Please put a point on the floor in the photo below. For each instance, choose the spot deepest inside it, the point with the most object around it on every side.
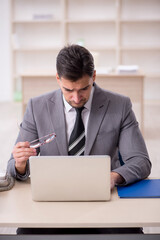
(11, 116)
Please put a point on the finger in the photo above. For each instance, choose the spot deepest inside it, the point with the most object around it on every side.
(23, 149)
(19, 150)
(23, 144)
(27, 154)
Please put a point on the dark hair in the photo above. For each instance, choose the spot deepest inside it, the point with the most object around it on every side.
(73, 62)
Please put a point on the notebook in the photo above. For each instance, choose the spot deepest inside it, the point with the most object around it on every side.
(149, 188)
(70, 178)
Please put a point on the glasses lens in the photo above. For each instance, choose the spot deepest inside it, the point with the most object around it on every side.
(43, 140)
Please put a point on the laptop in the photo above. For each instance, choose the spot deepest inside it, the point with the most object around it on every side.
(70, 178)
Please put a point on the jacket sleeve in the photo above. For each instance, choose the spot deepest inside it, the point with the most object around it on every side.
(28, 132)
(132, 148)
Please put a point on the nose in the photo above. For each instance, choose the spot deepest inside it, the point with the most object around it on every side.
(76, 97)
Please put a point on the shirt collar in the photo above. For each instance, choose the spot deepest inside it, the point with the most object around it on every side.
(68, 107)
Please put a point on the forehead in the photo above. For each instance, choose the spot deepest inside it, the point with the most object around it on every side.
(79, 84)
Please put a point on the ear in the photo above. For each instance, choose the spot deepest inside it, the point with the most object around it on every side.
(57, 77)
(94, 76)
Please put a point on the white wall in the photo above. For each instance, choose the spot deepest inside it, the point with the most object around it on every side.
(5, 55)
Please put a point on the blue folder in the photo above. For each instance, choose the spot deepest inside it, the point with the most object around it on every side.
(149, 188)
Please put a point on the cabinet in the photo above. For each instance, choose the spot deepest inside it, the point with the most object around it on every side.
(117, 32)
(129, 85)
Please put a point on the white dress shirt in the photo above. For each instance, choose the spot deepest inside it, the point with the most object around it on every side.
(70, 114)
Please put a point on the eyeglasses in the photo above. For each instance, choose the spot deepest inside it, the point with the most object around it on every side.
(46, 139)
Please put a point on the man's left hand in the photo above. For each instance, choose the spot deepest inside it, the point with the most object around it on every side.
(116, 178)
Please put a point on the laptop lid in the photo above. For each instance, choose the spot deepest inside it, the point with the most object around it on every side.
(70, 178)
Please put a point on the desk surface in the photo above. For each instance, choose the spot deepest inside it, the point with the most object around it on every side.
(17, 209)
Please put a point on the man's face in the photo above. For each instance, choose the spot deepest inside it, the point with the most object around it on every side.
(76, 93)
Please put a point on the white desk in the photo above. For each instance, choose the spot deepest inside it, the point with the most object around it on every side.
(18, 210)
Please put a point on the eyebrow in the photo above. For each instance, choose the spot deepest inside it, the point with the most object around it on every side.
(67, 89)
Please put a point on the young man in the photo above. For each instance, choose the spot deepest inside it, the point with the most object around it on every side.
(109, 123)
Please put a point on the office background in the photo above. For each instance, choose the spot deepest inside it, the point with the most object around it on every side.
(118, 32)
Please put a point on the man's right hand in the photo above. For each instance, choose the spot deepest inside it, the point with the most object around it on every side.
(21, 153)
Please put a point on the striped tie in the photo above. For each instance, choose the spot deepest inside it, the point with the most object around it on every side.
(77, 138)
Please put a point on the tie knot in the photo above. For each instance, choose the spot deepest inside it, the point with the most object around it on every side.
(79, 110)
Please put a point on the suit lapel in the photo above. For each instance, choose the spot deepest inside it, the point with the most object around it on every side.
(56, 112)
(98, 111)
(56, 115)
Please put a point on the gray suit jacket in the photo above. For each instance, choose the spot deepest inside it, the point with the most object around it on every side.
(112, 125)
